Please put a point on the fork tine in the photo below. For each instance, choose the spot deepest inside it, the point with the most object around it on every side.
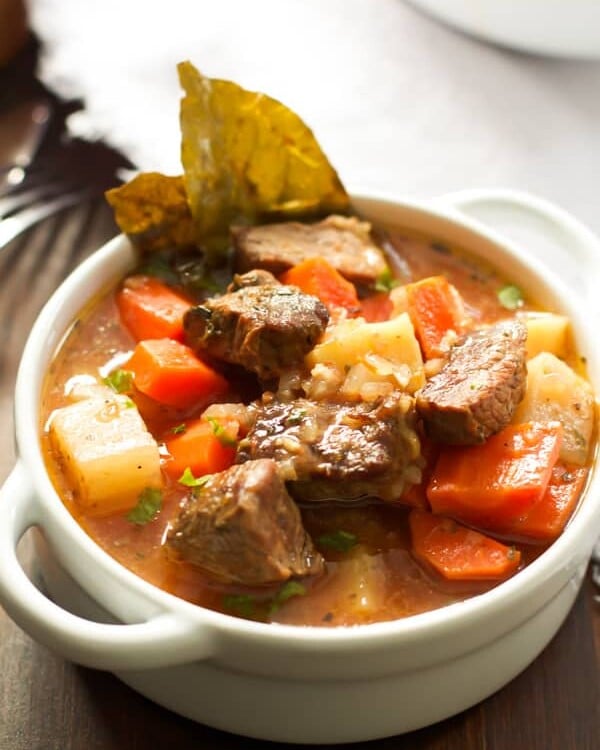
(14, 225)
(34, 179)
(30, 196)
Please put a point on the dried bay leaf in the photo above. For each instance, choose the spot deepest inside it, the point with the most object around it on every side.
(152, 209)
(247, 157)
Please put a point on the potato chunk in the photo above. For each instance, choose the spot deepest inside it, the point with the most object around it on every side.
(556, 392)
(390, 345)
(107, 452)
(546, 332)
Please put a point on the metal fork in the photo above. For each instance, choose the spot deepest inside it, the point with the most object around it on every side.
(21, 209)
(27, 195)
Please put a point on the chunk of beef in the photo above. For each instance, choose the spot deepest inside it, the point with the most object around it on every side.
(477, 391)
(344, 242)
(331, 451)
(256, 277)
(262, 328)
(243, 527)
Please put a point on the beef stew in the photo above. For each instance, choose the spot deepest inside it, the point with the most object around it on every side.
(388, 517)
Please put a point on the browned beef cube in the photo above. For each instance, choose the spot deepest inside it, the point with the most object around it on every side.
(331, 451)
(263, 328)
(243, 527)
(256, 277)
(477, 391)
(344, 242)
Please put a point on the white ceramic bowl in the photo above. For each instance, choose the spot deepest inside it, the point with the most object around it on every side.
(565, 28)
(285, 683)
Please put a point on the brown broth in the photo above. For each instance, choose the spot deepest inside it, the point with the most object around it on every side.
(378, 579)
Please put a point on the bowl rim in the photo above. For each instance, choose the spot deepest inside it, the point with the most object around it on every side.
(507, 594)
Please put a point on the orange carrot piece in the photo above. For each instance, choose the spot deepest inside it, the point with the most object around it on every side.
(457, 552)
(170, 373)
(435, 307)
(318, 277)
(376, 307)
(494, 483)
(548, 517)
(204, 447)
(150, 309)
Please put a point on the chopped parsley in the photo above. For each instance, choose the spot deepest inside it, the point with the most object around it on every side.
(189, 480)
(159, 265)
(148, 504)
(295, 417)
(220, 432)
(195, 276)
(340, 540)
(287, 591)
(510, 297)
(385, 282)
(121, 381)
(179, 429)
(239, 604)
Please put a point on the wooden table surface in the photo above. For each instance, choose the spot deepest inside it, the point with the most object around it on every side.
(49, 704)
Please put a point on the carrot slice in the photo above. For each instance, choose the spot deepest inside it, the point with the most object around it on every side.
(457, 552)
(318, 277)
(170, 373)
(497, 482)
(376, 308)
(435, 307)
(548, 517)
(204, 447)
(150, 309)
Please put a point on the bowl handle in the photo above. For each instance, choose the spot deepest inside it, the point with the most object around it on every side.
(163, 640)
(562, 242)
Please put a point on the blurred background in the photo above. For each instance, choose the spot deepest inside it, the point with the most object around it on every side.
(399, 101)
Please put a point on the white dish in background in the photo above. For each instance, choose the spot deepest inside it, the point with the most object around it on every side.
(286, 683)
(565, 28)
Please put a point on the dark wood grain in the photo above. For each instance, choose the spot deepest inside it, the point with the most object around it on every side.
(49, 704)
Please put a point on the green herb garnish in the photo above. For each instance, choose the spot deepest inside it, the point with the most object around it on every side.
(158, 264)
(220, 432)
(121, 381)
(179, 429)
(240, 604)
(340, 541)
(148, 504)
(385, 281)
(510, 297)
(295, 417)
(189, 480)
(287, 591)
(196, 277)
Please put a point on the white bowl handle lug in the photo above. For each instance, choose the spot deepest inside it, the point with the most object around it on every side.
(561, 242)
(163, 640)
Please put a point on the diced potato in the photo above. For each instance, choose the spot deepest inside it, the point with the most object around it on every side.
(546, 332)
(556, 392)
(107, 452)
(399, 300)
(80, 391)
(357, 588)
(351, 342)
